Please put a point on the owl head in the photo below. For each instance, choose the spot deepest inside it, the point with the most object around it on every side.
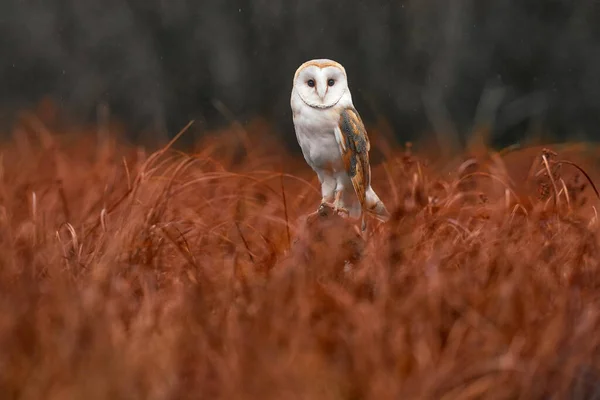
(321, 83)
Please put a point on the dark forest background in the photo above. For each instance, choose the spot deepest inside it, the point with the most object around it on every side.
(423, 65)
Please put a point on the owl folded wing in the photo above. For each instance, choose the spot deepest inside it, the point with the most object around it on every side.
(354, 145)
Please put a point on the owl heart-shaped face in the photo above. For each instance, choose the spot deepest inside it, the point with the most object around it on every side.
(321, 83)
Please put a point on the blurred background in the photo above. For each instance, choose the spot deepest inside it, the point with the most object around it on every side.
(424, 66)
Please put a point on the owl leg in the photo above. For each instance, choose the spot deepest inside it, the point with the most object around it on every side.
(328, 184)
(338, 204)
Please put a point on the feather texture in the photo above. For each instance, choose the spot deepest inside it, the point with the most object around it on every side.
(354, 147)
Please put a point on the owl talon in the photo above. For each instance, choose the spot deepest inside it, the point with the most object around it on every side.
(325, 205)
(325, 208)
(341, 211)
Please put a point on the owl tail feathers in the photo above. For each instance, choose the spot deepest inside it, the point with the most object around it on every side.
(375, 206)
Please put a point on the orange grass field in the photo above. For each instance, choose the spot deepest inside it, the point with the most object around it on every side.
(132, 274)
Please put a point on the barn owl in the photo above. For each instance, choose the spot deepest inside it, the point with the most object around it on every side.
(334, 140)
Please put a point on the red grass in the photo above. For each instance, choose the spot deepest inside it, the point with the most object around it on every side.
(169, 276)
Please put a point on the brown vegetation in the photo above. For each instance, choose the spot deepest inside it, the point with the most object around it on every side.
(127, 275)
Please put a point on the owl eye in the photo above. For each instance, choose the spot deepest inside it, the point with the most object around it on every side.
(331, 82)
(311, 83)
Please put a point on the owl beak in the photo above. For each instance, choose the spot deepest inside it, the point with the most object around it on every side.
(322, 91)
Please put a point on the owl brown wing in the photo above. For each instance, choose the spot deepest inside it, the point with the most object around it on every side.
(354, 147)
